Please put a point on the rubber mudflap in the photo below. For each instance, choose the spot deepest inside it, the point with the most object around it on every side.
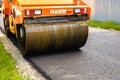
(53, 36)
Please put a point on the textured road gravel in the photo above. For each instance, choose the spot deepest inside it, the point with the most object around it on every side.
(99, 59)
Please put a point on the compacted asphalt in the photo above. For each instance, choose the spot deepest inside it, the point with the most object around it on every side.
(99, 59)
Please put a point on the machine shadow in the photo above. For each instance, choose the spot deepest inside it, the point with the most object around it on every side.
(55, 52)
(51, 54)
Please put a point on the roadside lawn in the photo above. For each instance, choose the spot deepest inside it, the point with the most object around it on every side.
(8, 69)
(105, 25)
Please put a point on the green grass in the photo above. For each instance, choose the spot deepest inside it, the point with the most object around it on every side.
(105, 25)
(8, 69)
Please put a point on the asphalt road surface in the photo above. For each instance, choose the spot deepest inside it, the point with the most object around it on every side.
(99, 59)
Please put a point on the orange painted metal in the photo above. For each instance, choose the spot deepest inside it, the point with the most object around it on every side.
(6, 7)
(45, 2)
(46, 8)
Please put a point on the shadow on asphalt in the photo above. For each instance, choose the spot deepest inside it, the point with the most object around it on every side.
(51, 53)
(30, 58)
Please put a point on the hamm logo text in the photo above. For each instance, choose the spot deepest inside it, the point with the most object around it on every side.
(58, 11)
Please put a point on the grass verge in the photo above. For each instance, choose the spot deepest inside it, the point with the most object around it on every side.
(8, 69)
(105, 25)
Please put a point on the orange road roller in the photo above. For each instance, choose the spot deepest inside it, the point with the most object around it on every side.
(45, 25)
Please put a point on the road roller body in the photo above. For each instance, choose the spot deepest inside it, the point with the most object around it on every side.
(46, 25)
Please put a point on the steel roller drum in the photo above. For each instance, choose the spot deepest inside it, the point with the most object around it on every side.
(53, 36)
